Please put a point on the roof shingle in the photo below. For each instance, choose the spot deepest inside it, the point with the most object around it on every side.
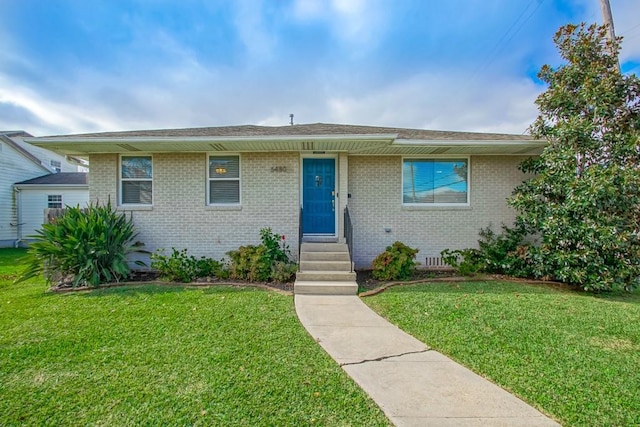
(304, 130)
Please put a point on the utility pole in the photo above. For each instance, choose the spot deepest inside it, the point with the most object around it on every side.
(607, 19)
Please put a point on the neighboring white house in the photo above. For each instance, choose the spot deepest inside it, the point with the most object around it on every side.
(53, 191)
(212, 189)
(20, 161)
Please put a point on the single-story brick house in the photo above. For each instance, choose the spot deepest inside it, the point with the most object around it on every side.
(212, 189)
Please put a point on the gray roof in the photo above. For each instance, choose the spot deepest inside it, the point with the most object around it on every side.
(304, 130)
(355, 140)
(61, 178)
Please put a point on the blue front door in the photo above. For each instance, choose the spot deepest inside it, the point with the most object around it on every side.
(318, 191)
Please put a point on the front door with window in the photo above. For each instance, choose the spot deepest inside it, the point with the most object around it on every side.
(318, 196)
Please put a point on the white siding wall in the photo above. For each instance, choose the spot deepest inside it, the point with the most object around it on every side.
(14, 167)
(45, 156)
(34, 202)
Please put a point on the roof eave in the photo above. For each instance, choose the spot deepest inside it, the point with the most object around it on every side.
(50, 186)
(363, 144)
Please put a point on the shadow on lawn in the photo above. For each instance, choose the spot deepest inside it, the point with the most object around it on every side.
(512, 287)
(130, 290)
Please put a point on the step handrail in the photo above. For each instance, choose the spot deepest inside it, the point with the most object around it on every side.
(348, 235)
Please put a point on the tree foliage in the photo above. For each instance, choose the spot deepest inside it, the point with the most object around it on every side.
(584, 201)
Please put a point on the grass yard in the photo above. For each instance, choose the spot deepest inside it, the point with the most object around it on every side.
(157, 355)
(574, 356)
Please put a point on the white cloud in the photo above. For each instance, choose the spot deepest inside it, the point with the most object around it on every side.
(442, 101)
(359, 23)
(258, 41)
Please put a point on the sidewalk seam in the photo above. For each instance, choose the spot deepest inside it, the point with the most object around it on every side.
(379, 359)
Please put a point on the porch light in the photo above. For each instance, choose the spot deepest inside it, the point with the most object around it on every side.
(220, 170)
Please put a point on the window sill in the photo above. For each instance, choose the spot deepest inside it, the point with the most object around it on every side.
(126, 208)
(223, 208)
(436, 208)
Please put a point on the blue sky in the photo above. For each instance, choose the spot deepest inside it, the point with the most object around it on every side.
(71, 66)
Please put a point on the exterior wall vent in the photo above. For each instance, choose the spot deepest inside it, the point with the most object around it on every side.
(128, 147)
(435, 263)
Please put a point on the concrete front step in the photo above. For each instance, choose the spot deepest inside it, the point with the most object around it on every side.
(324, 247)
(325, 288)
(325, 276)
(324, 256)
(325, 266)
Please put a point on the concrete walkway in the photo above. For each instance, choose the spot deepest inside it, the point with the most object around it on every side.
(414, 386)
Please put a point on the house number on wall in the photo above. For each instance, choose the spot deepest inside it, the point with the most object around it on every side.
(278, 168)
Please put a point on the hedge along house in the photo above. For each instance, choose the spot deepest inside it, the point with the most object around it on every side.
(212, 189)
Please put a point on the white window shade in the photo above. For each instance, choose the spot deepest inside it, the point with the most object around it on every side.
(224, 180)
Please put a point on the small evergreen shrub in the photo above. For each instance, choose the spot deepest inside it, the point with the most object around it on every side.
(395, 263)
(249, 263)
(181, 267)
(83, 247)
(271, 260)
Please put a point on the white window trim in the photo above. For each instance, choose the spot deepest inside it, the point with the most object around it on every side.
(209, 179)
(120, 180)
(436, 205)
(49, 201)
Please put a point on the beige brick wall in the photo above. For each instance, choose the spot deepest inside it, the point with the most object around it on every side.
(375, 187)
(180, 218)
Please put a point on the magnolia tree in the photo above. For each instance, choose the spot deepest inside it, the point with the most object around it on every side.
(584, 201)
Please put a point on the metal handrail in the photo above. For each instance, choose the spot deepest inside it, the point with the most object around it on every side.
(300, 239)
(348, 234)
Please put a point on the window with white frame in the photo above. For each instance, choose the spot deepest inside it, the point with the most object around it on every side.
(435, 181)
(56, 165)
(224, 180)
(136, 180)
(54, 201)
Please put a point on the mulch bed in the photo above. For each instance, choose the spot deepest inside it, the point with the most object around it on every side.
(367, 284)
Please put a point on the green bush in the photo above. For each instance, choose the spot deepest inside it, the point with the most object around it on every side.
(466, 262)
(504, 253)
(283, 272)
(83, 247)
(180, 267)
(395, 263)
(249, 263)
(271, 260)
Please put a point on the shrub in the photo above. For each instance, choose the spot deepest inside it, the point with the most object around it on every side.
(395, 263)
(268, 261)
(180, 267)
(249, 262)
(83, 247)
(504, 253)
(466, 262)
(277, 248)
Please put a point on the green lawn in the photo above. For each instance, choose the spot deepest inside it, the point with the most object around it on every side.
(157, 355)
(574, 356)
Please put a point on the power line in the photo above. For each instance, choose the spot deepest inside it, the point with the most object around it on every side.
(511, 32)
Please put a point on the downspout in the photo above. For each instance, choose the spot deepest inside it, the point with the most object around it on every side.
(16, 244)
